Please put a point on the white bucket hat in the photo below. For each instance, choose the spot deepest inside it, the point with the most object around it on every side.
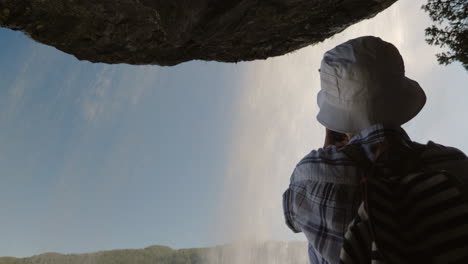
(363, 83)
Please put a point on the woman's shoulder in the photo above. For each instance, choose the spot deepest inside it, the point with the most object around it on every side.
(327, 164)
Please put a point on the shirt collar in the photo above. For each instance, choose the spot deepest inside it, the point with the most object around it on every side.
(377, 133)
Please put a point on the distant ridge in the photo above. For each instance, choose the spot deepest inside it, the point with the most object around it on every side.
(237, 253)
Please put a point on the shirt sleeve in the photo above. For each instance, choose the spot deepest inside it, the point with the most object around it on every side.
(289, 214)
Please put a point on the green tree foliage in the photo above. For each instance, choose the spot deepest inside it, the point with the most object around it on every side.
(450, 29)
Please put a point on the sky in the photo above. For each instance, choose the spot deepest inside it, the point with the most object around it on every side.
(98, 157)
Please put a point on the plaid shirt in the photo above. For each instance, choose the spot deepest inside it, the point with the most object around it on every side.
(323, 195)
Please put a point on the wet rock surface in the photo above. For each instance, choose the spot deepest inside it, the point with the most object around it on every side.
(166, 32)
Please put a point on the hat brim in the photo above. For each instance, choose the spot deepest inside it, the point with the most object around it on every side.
(395, 110)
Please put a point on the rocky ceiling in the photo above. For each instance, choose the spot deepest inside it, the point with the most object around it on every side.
(168, 32)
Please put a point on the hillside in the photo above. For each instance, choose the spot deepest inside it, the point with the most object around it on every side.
(245, 253)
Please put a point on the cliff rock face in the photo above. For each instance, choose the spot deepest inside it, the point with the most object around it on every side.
(168, 32)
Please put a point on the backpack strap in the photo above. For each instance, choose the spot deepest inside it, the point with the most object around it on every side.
(356, 153)
(359, 250)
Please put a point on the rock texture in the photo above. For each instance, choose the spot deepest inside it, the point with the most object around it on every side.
(168, 32)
